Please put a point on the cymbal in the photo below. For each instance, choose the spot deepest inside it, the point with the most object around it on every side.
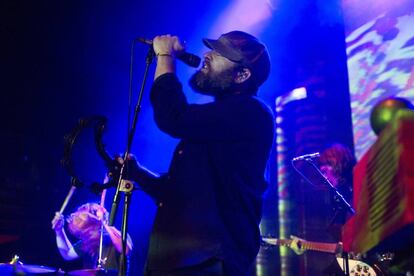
(93, 272)
(23, 268)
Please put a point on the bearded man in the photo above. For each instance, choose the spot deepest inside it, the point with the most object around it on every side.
(210, 200)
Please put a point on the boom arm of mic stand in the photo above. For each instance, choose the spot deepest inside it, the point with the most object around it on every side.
(116, 200)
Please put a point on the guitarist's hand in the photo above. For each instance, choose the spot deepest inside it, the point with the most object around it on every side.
(112, 176)
(297, 245)
(131, 168)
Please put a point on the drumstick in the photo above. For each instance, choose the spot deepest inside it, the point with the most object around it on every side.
(103, 195)
(68, 197)
(65, 203)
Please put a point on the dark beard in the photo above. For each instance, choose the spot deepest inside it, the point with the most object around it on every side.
(213, 85)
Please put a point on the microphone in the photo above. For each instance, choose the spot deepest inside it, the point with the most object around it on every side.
(189, 59)
(306, 156)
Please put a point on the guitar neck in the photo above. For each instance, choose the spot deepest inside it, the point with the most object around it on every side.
(283, 242)
(322, 246)
(307, 245)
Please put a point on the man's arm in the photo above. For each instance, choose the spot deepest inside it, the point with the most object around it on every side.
(148, 181)
(237, 118)
(220, 120)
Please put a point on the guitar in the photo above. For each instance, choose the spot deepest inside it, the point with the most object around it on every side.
(299, 246)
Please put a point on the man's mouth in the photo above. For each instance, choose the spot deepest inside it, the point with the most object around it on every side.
(205, 66)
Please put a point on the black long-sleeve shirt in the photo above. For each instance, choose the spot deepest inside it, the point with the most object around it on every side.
(209, 202)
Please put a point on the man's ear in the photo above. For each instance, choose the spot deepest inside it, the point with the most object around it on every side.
(242, 75)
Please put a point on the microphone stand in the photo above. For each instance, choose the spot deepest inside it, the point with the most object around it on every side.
(123, 185)
(338, 198)
(101, 261)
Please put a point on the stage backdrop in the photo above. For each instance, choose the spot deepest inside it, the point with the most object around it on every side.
(380, 49)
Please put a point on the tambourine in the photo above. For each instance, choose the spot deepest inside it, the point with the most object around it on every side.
(98, 123)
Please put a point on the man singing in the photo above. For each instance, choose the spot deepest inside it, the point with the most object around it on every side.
(210, 201)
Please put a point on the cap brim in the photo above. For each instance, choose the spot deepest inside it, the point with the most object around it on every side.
(222, 49)
(210, 43)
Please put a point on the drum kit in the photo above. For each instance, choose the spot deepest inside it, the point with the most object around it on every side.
(23, 269)
(20, 269)
(16, 267)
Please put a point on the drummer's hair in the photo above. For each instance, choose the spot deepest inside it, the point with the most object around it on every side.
(88, 232)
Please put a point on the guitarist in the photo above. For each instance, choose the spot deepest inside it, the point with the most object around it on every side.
(323, 217)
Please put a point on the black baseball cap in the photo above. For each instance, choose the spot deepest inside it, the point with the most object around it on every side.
(245, 49)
